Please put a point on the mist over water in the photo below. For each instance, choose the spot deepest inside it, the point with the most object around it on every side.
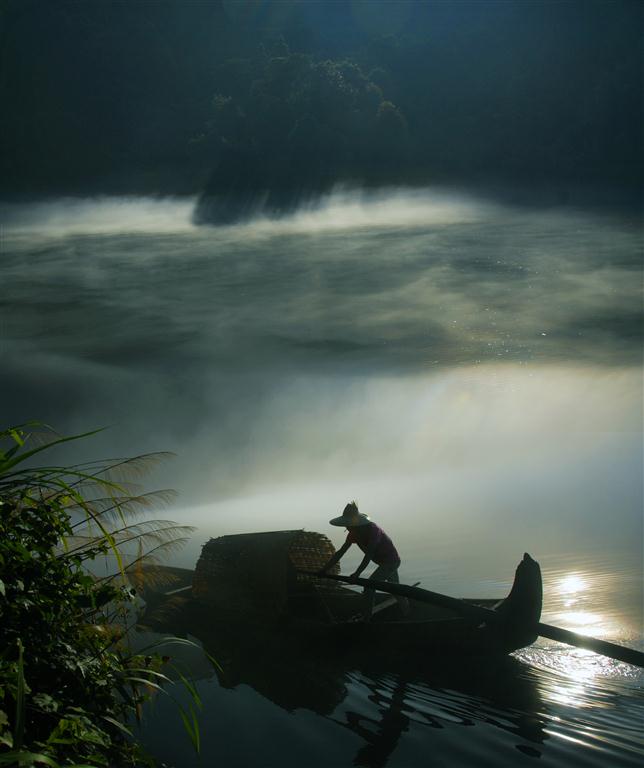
(469, 371)
(454, 363)
(96, 216)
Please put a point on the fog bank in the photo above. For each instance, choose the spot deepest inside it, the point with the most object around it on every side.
(432, 354)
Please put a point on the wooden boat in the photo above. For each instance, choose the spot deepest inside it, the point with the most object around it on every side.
(261, 586)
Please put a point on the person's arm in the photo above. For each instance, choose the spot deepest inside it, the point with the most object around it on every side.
(365, 562)
(336, 558)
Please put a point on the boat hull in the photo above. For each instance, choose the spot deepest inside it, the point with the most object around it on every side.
(322, 617)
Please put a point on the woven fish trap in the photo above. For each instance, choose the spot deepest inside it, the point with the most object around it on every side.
(256, 574)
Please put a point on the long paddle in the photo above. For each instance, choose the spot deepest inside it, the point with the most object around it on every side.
(612, 650)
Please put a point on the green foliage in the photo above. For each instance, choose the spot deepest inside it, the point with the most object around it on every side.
(68, 683)
(305, 123)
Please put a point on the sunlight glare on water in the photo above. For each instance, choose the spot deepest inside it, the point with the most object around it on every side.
(587, 602)
(572, 584)
(597, 602)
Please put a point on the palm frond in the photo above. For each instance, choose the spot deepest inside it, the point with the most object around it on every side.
(113, 510)
(152, 576)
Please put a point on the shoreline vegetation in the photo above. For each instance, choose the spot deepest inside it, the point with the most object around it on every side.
(71, 685)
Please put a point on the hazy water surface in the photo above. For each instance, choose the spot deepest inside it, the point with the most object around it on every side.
(470, 372)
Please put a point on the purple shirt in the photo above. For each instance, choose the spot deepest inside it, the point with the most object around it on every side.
(374, 541)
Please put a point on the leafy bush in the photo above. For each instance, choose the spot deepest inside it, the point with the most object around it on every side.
(69, 684)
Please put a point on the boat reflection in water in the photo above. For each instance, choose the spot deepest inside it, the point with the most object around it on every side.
(459, 694)
(376, 703)
(348, 699)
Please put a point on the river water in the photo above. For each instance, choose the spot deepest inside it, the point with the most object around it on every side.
(469, 371)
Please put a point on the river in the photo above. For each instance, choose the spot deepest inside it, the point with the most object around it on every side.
(468, 370)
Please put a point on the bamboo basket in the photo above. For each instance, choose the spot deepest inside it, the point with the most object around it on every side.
(255, 574)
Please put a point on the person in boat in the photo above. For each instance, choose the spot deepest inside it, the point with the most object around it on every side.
(376, 546)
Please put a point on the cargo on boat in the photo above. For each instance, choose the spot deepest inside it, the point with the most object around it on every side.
(255, 575)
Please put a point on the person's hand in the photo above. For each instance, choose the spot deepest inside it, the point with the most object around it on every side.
(354, 576)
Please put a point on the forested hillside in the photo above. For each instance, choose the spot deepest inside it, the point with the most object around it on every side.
(168, 96)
